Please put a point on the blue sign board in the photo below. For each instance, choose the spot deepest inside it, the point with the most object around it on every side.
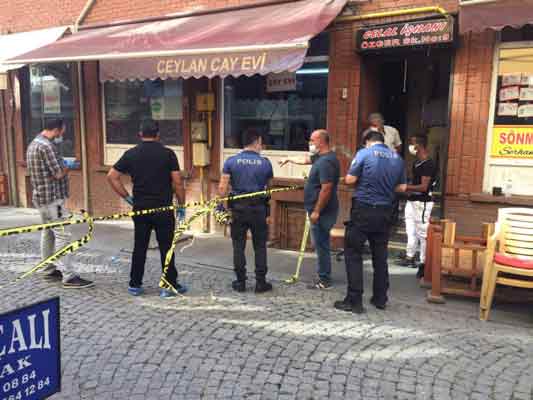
(30, 357)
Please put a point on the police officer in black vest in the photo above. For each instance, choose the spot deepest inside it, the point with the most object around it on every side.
(248, 172)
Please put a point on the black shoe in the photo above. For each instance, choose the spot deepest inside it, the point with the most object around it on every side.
(420, 272)
(239, 286)
(323, 284)
(55, 276)
(263, 287)
(377, 304)
(349, 307)
(77, 283)
(407, 262)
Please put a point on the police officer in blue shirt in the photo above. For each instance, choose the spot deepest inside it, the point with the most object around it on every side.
(377, 173)
(248, 172)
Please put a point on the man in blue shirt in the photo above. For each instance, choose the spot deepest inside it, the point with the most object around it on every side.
(320, 200)
(377, 172)
(248, 172)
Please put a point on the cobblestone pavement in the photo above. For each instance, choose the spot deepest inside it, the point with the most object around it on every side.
(291, 344)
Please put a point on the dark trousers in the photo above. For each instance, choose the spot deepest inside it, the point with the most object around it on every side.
(253, 218)
(163, 223)
(370, 223)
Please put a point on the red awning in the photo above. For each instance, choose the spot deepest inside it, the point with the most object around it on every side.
(257, 40)
(476, 16)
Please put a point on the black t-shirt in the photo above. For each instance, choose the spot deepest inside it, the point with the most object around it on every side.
(325, 169)
(149, 164)
(423, 168)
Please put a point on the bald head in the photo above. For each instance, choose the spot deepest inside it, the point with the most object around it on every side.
(320, 138)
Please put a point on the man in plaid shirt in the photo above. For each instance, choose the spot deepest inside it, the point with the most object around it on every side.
(49, 179)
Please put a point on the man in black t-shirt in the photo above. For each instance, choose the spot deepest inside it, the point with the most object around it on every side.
(419, 203)
(154, 170)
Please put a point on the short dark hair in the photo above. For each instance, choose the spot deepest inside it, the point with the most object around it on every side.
(251, 135)
(421, 140)
(53, 123)
(374, 136)
(149, 128)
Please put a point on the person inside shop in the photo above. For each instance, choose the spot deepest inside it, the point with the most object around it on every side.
(320, 199)
(249, 172)
(377, 172)
(155, 174)
(393, 142)
(419, 203)
(50, 183)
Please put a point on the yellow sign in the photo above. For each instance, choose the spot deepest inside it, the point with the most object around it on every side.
(513, 141)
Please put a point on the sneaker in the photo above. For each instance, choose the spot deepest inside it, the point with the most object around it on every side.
(135, 291)
(55, 276)
(239, 286)
(407, 262)
(320, 283)
(420, 272)
(378, 305)
(167, 294)
(77, 283)
(349, 307)
(181, 289)
(263, 287)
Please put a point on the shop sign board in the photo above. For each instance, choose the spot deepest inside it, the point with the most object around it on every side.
(405, 34)
(282, 82)
(512, 141)
(30, 363)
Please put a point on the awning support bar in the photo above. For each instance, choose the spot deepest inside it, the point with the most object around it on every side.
(395, 13)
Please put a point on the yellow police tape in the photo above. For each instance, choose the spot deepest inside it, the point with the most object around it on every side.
(206, 207)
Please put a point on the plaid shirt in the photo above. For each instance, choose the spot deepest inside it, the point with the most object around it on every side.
(44, 162)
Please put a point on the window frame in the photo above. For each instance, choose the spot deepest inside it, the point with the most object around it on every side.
(109, 148)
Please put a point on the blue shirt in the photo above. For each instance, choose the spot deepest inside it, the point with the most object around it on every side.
(379, 171)
(249, 172)
(325, 169)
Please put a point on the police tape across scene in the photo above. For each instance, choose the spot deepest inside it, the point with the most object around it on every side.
(207, 207)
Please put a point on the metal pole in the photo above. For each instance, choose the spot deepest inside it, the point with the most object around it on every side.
(83, 138)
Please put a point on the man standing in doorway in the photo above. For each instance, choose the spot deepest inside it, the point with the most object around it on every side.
(155, 172)
(320, 200)
(419, 203)
(390, 134)
(49, 179)
(377, 172)
(248, 172)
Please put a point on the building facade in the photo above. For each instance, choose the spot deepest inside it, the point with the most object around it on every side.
(466, 87)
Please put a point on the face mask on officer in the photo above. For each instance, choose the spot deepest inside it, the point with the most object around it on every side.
(412, 149)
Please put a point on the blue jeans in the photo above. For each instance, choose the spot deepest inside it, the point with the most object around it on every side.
(321, 239)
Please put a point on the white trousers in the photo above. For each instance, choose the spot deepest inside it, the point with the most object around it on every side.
(417, 214)
(60, 236)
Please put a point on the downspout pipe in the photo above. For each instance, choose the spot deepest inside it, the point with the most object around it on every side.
(395, 13)
(81, 99)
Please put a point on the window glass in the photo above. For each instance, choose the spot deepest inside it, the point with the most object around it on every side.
(128, 103)
(50, 96)
(284, 107)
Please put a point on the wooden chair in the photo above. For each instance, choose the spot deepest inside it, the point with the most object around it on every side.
(454, 263)
(509, 252)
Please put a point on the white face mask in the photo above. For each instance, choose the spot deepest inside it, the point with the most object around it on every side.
(58, 140)
(412, 149)
(313, 149)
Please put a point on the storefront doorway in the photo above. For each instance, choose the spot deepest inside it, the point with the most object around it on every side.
(411, 88)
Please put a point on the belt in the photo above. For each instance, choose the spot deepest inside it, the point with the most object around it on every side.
(368, 205)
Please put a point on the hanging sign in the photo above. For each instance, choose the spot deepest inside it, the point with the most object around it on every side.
(283, 82)
(512, 142)
(30, 363)
(51, 96)
(405, 34)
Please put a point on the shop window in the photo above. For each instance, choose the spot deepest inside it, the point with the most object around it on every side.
(285, 107)
(510, 165)
(49, 95)
(128, 103)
